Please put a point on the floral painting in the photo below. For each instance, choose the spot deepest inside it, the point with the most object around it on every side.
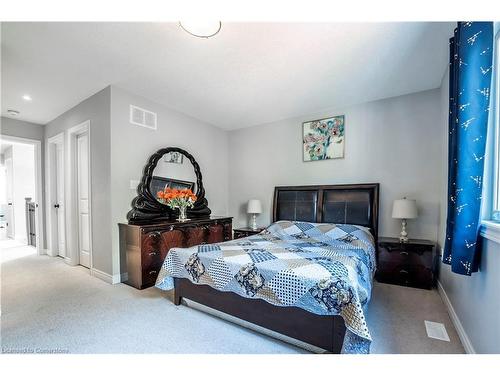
(323, 139)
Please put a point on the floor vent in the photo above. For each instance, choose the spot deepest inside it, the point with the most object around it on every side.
(142, 117)
(436, 331)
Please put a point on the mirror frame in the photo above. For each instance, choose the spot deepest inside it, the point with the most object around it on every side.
(145, 206)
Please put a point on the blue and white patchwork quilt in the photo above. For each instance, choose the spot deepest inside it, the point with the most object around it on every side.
(326, 269)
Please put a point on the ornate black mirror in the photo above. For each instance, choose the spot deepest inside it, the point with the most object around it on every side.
(170, 167)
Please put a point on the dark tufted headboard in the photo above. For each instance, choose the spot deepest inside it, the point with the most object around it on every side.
(340, 204)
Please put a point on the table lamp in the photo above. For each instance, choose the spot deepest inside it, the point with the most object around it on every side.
(404, 209)
(254, 207)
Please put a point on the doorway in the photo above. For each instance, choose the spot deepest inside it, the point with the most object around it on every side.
(83, 199)
(78, 197)
(21, 211)
(56, 215)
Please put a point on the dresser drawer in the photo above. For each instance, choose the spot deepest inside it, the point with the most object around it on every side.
(215, 233)
(147, 246)
(149, 275)
(196, 236)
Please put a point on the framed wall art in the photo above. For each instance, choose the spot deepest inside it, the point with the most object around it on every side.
(323, 139)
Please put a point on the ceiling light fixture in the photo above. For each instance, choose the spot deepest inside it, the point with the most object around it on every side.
(12, 112)
(27, 98)
(201, 29)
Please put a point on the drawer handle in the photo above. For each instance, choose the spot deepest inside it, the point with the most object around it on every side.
(404, 271)
(155, 236)
(403, 253)
(153, 253)
(203, 243)
(153, 272)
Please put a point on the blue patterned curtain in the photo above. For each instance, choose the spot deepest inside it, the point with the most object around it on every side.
(471, 52)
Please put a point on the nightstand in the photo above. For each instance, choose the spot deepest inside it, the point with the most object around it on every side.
(245, 232)
(411, 263)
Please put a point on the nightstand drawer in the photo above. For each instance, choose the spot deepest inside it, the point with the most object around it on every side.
(405, 274)
(245, 232)
(238, 234)
(410, 263)
(405, 255)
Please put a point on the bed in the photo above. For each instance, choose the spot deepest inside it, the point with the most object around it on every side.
(307, 276)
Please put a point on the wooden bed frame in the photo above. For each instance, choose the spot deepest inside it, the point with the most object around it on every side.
(349, 204)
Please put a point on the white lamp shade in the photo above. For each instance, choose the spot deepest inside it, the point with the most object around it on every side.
(404, 209)
(254, 206)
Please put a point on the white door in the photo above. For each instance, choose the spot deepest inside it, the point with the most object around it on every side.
(59, 204)
(9, 215)
(82, 144)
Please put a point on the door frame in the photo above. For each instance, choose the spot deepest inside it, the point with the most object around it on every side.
(71, 195)
(9, 180)
(51, 190)
(39, 209)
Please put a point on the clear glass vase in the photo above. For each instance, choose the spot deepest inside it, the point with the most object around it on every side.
(182, 214)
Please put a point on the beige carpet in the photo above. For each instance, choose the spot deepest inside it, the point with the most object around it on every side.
(48, 306)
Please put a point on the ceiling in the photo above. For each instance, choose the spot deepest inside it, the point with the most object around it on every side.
(248, 74)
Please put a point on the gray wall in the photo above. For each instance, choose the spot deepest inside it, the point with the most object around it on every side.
(475, 299)
(29, 130)
(96, 109)
(23, 129)
(131, 146)
(390, 141)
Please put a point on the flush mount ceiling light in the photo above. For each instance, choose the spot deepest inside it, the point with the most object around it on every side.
(201, 29)
(27, 98)
(12, 112)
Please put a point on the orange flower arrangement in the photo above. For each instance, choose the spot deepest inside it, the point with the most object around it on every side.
(169, 195)
(177, 198)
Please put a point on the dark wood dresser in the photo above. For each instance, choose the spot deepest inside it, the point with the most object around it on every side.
(245, 232)
(146, 246)
(410, 263)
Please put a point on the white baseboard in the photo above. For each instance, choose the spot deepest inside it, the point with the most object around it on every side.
(102, 275)
(464, 338)
(110, 279)
(51, 252)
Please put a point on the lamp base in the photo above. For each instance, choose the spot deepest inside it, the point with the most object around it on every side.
(403, 236)
(253, 223)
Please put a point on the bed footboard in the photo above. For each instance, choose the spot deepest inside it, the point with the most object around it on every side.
(326, 332)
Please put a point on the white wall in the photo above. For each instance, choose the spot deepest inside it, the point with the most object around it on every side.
(132, 145)
(395, 142)
(96, 109)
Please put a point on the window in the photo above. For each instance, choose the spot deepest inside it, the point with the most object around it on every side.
(495, 107)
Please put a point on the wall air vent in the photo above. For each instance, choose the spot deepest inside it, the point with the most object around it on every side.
(142, 117)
